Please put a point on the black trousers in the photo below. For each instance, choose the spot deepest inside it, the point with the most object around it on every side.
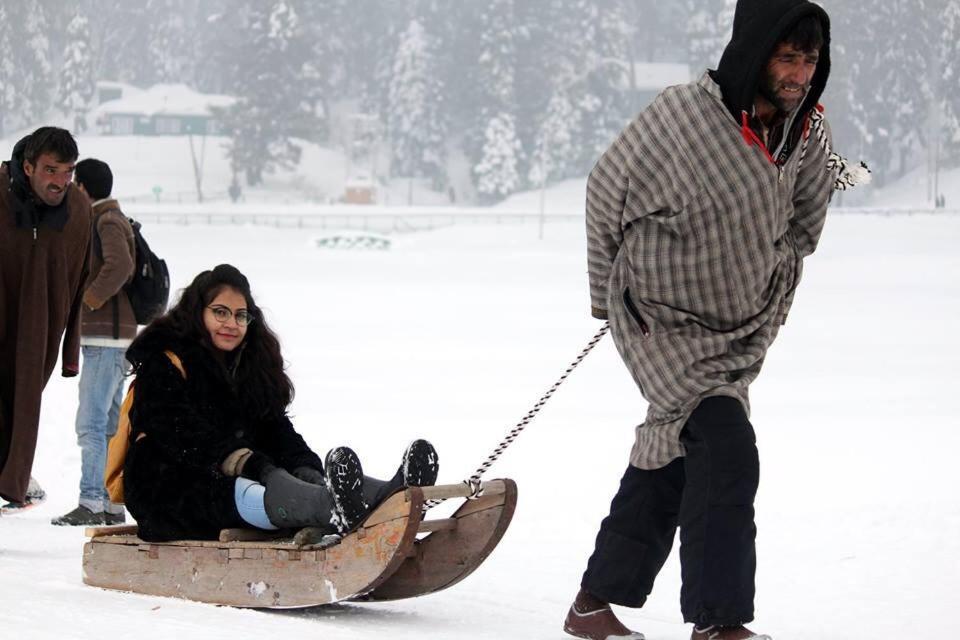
(709, 494)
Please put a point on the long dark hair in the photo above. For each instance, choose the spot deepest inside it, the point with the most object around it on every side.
(256, 365)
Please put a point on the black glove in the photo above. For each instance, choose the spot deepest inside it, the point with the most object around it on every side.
(311, 475)
(257, 467)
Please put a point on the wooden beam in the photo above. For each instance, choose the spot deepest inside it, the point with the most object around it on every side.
(447, 491)
(440, 524)
(115, 530)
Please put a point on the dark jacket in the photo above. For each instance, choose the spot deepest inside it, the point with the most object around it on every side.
(182, 429)
(106, 308)
(43, 265)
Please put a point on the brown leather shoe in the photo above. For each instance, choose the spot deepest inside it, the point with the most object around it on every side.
(726, 633)
(599, 624)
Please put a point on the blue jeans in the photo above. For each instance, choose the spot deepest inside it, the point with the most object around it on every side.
(249, 498)
(101, 392)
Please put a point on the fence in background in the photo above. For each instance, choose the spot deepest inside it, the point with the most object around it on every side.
(406, 221)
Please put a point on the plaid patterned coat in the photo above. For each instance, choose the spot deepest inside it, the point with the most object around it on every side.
(695, 247)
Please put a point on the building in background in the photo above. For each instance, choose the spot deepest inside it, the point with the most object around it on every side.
(161, 110)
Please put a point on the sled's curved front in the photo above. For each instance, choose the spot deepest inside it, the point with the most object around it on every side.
(456, 547)
(272, 574)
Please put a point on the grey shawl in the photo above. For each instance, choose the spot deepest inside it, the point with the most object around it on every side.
(695, 247)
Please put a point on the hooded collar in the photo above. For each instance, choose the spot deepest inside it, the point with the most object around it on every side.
(758, 25)
(28, 210)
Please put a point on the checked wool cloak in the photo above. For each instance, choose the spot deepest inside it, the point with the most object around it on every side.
(696, 242)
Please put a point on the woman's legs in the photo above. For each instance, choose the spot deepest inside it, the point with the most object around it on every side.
(249, 498)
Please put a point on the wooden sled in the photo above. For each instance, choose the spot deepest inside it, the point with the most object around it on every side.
(381, 560)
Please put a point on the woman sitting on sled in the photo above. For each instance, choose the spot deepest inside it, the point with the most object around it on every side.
(211, 446)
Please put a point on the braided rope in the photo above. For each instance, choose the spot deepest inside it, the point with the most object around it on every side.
(847, 174)
(474, 480)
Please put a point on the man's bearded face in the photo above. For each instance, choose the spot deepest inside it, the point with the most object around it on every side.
(788, 75)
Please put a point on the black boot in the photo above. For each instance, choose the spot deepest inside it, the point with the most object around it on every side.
(418, 468)
(421, 464)
(345, 479)
(291, 503)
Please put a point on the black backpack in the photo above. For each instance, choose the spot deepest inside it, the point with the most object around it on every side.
(149, 290)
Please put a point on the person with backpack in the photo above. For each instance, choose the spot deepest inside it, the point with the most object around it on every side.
(210, 445)
(108, 327)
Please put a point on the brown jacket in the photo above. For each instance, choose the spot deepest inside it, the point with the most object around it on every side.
(42, 271)
(111, 267)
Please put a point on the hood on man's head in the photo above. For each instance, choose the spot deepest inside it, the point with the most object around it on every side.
(758, 26)
(18, 179)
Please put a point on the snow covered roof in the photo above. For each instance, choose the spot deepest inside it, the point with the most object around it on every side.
(166, 99)
(660, 75)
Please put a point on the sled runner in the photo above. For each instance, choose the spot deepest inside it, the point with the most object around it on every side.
(381, 560)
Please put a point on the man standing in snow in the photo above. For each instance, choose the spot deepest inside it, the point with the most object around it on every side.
(108, 328)
(44, 244)
(698, 220)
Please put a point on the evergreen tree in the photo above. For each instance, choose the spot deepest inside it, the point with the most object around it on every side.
(271, 109)
(415, 115)
(605, 102)
(497, 174)
(77, 84)
(496, 161)
(588, 95)
(121, 36)
(31, 60)
(948, 92)
(881, 82)
(9, 98)
(548, 51)
(25, 68)
(657, 30)
(557, 141)
(222, 43)
(173, 40)
(709, 27)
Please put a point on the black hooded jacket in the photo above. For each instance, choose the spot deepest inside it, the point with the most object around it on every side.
(28, 211)
(758, 26)
(181, 431)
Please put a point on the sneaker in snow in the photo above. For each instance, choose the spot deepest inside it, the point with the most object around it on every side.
(35, 495)
(599, 624)
(80, 517)
(420, 464)
(715, 632)
(345, 482)
(114, 518)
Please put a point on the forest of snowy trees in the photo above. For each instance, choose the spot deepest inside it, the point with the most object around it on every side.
(520, 90)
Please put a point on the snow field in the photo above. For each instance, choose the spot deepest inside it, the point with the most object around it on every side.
(453, 335)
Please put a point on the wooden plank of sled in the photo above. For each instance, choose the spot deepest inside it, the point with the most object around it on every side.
(449, 491)
(260, 574)
(248, 535)
(112, 530)
(440, 524)
(445, 557)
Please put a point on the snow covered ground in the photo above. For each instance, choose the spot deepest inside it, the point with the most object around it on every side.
(453, 334)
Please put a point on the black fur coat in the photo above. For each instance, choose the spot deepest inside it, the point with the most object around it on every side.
(172, 479)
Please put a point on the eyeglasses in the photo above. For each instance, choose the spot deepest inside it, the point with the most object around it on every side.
(223, 314)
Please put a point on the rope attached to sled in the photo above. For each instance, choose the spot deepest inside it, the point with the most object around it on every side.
(474, 481)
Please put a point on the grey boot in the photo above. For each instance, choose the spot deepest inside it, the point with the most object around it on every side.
(291, 503)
